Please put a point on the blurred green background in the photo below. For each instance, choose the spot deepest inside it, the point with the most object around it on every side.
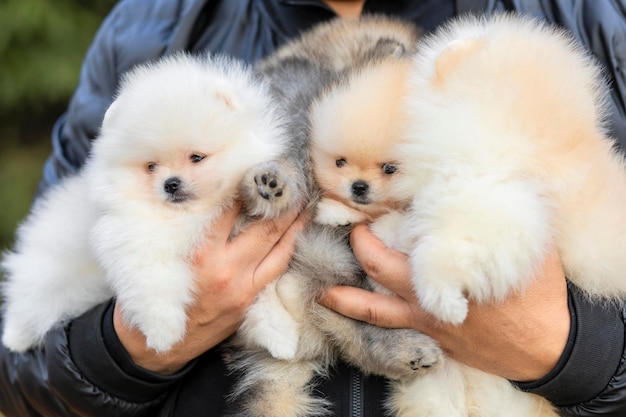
(42, 44)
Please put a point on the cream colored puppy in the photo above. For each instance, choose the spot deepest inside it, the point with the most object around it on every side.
(506, 157)
(355, 127)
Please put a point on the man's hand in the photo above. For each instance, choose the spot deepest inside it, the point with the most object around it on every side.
(519, 339)
(229, 275)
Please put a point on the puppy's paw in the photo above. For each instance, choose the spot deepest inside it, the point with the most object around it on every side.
(413, 354)
(400, 354)
(333, 213)
(18, 339)
(270, 184)
(271, 188)
(284, 348)
(443, 270)
(271, 328)
(425, 359)
(268, 324)
(163, 328)
(447, 303)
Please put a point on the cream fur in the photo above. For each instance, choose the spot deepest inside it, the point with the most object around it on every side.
(113, 230)
(507, 152)
(506, 157)
(348, 129)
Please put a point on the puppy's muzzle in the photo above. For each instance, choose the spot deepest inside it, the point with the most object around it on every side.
(173, 188)
(360, 192)
(172, 185)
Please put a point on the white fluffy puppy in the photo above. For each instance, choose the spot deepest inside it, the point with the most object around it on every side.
(175, 147)
(507, 157)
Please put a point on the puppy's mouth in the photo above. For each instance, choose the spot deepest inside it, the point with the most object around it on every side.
(364, 200)
(178, 198)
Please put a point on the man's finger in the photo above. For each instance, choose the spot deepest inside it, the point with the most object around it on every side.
(378, 309)
(386, 266)
(223, 225)
(277, 260)
(258, 238)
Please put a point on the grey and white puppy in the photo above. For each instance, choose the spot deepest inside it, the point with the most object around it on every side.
(287, 338)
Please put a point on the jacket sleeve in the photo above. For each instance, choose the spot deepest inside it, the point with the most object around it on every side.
(75, 373)
(590, 377)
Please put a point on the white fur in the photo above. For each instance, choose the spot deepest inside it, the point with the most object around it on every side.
(335, 213)
(270, 323)
(113, 230)
(36, 292)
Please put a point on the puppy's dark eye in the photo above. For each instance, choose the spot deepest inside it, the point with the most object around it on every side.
(389, 168)
(196, 158)
(340, 162)
(151, 167)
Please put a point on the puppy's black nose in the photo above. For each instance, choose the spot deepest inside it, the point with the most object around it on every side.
(360, 188)
(171, 185)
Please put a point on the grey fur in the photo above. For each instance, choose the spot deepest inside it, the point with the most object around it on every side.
(267, 386)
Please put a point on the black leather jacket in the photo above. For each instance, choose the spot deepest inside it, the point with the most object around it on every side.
(82, 369)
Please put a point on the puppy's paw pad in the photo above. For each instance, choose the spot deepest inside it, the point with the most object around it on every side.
(270, 183)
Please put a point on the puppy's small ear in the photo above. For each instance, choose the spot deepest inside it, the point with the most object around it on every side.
(110, 112)
(453, 55)
(227, 99)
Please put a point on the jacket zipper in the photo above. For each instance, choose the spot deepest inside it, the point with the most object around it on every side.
(356, 392)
